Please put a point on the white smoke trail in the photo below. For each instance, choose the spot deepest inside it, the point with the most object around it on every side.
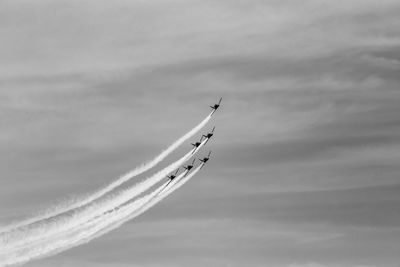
(79, 203)
(163, 194)
(102, 224)
(62, 223)
(104, 219)
(50, 248)
(129, 214)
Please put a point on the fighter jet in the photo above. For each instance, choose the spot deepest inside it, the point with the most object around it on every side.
(172, 176)
(189, 167)
(205, 159)
(216, 106)
(209, 135)
(197, 144)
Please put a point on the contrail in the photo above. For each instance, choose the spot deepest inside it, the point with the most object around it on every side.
(56, 245)
(61, 223)
(79, 203)
(169, 189)
(102, 224)
(129, 214)
(64, 222)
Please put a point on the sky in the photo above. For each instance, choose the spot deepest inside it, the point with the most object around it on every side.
(304, 170)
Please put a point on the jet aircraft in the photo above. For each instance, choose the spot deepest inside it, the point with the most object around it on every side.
(189, 167)
(197, 144)
(205, 159)
(172, 176)
(216, 106)
(209, 135)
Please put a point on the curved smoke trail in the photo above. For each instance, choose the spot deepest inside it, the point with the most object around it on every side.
(128, 214)
(102, 224)
(62, 223)
(52, 247)
(79, 203)
(163, 194)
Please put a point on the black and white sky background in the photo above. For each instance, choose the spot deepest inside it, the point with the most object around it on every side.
(305, 167)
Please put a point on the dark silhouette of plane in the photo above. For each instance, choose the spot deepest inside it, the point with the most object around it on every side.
(172, 176)
(205, 159)
(216, 106)
(209, 135)
(197, 144)
(189, 167)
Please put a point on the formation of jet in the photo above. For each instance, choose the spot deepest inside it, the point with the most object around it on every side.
(196, 145)
(207, 137)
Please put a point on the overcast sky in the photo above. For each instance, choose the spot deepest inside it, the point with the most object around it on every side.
(305, 167)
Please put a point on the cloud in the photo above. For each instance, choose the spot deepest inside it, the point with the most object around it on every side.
(306, 140)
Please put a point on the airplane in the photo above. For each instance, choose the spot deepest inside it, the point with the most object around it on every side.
(216, 106)
(189, 167)
(209, 135)
(197, 144)
(205, 159)
(172, 176)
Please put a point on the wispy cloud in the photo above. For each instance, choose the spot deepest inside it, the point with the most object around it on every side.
(307, 136)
